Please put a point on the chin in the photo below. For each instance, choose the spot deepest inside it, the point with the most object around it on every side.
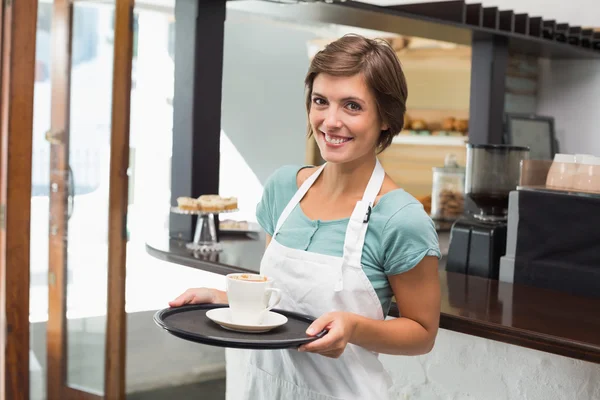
(338, 157)
(335, 158)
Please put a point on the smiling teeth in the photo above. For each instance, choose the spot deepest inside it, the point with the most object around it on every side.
(331, 140)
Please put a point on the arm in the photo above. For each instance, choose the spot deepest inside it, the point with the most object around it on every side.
(417, 293)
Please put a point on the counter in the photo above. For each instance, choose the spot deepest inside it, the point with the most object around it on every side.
(540, 319)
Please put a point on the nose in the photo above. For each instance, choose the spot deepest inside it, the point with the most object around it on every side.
(332, 120)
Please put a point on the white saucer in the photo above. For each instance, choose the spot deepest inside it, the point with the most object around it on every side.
(222, 316)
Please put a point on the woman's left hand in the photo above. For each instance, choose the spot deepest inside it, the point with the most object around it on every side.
(341, 326)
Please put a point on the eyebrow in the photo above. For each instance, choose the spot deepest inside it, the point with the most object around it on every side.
(344, 99)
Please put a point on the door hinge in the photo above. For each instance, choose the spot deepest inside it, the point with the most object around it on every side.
(2, 216)
(55, 137)
(51, 279)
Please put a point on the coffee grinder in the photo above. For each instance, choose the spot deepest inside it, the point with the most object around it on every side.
(478, 238)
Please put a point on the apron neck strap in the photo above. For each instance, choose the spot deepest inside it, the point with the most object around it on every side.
(359, 221)
(302, 190)
(374, 185)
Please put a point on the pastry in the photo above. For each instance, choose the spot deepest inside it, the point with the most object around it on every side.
(230, 225)
(426, 202)
(230, 203)
(406, 124)
(418, 125)
(187, 203)
(448, 124)
(451, 204)
(210, 203)
(461, 125)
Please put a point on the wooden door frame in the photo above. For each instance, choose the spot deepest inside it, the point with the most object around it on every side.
(116, 322)
(19, 28)
(116, 328)
(58, 136)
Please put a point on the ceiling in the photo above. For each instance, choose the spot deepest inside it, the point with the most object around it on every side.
(563, 11)
(572, 12)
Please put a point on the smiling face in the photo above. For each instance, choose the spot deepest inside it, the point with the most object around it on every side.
(344, 118)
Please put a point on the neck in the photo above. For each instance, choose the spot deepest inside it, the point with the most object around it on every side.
(348, 179)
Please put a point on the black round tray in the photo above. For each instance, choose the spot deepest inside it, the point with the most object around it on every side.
(191, 323)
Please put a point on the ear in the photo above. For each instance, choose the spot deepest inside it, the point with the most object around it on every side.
(384, 127)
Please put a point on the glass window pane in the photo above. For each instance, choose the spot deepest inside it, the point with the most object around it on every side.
(38, 292)
(191, 370)
(89, 159)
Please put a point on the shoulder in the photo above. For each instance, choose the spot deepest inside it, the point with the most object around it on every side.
(405, 214)
(284, 176)
(395, 201)
(290, 177)
(304, 173)
(277, 192)
(281, 184)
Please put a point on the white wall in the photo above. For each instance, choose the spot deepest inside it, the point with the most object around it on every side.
(263, 113)
(570, 92)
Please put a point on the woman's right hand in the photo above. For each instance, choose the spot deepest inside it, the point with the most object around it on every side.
(200, 296)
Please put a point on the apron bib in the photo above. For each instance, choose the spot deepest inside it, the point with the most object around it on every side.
(316, 284)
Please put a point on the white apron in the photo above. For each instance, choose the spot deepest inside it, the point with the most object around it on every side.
(316, 284)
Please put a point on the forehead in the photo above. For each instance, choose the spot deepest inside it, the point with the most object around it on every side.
(341, 86)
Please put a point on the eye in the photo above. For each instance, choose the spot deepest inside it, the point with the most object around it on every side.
(319, 101)
(352, 106)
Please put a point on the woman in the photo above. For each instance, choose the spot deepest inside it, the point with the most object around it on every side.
(345, 238)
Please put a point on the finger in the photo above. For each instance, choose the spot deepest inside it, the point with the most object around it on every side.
(185, 298)
(323, 344)
(319, 324)
(332, 354)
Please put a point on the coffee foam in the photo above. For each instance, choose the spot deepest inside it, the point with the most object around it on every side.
(250, 278)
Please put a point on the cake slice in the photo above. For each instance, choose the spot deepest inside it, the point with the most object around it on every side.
(230, 203)
(211, 203)
(188, 204)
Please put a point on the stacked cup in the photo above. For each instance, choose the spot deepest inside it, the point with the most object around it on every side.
(562, 172)
(579, 172)
(587, 178)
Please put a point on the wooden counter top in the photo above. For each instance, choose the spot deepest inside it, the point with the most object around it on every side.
(545, 320)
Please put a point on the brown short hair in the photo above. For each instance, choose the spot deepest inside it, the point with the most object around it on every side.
(377, 61)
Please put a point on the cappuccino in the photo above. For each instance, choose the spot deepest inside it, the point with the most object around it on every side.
(250, 277)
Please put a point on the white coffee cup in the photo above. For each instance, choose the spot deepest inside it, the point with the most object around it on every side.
(249, 297)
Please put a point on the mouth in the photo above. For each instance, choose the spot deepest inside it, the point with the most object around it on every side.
(335, 141)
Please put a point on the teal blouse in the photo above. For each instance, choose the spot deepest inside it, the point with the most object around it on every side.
(399, 235)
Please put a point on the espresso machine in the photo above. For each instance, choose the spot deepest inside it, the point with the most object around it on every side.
(478, 238)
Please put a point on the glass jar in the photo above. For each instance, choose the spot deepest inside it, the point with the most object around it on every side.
(448, 190)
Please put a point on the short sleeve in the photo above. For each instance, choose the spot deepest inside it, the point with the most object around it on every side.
(408, 237)
(277, 192)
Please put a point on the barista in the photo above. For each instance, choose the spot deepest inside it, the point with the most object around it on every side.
(345, 238)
